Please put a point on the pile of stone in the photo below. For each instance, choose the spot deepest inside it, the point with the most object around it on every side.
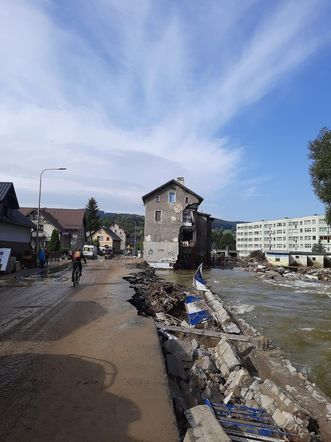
(234, 364)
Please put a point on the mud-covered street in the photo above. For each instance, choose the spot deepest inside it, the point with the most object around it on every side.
(78, 363)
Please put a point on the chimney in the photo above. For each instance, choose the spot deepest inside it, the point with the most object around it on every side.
(181, 180)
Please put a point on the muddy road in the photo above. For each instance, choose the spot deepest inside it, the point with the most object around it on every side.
(78, 364)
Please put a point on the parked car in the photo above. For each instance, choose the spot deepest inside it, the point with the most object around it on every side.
(90, 251)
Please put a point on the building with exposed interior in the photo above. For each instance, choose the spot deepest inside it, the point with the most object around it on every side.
(175, 231)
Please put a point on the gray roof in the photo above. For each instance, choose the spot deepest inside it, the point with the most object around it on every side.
(8, 194)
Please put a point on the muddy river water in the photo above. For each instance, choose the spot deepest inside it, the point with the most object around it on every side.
(296, 315)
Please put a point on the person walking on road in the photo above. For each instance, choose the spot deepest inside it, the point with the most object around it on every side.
(42, 257)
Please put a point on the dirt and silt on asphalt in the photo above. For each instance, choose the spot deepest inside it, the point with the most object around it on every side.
(73, 361)
(58, 348)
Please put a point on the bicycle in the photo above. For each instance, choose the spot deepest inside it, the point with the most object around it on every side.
(75, 276)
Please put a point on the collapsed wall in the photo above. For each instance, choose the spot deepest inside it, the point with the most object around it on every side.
(228, 362)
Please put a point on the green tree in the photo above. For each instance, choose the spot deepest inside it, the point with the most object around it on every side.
(318, 248)
(93, 221)
(54, 244)
(228, 240)
(96, 243)
(320, 169)
(216, 236)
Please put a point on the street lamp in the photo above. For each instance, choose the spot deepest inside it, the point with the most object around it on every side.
(38, 214)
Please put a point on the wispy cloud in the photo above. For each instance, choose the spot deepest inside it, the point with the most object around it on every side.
(130, 94)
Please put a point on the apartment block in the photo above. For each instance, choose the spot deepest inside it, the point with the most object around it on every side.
(283, 235)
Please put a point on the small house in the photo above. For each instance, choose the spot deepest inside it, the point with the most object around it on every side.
(107, 238)
(15, 228)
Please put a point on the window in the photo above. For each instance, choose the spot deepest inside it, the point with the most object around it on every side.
(107, 238)
(100, 238)
(187, 199)
(157, 216)
(157, 198)
(172, 197)
(277, 259)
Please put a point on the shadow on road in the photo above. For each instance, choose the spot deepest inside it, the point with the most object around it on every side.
(62, 398)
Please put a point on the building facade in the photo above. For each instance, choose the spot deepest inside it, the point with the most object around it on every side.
(174, 229)
(283, 235)
(121, 233)
(70, 223)
(15, 229)
(107, 238)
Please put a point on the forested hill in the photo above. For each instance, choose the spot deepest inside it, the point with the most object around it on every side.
(127, 221)
(221, 224)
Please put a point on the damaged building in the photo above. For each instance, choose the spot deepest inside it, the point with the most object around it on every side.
(175, 231)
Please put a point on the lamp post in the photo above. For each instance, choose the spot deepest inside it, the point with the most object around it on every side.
(38, 214)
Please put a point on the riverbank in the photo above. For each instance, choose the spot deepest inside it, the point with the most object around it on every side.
(261, 377)
(268, 271)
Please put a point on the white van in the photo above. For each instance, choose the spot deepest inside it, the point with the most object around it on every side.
(90, 251)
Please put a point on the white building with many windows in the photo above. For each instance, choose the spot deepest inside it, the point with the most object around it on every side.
(283, 235)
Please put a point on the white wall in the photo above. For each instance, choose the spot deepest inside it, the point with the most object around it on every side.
(154, 251)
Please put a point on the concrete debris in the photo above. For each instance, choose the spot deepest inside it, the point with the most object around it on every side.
(225, 358)
(194, 344)
(204, 426)
(220, 314)
(227, 363)
(236, 381)
(266, 270)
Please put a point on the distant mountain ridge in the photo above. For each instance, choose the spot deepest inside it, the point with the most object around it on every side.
(125, 219)
(221, 224)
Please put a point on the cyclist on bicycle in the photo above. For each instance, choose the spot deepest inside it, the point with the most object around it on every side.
(77, 260)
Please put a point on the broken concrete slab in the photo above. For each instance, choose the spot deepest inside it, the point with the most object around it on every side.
(205, 426)
(236, 381)
(225, 357)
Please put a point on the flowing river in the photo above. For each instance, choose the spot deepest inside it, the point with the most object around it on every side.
(296, 315)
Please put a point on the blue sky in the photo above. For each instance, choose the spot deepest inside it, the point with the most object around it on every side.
(128, 95)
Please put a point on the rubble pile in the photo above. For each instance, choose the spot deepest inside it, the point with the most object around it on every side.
(234, 365)
(268, 271)
(154, 296)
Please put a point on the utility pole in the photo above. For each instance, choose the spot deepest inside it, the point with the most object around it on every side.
(38, 214)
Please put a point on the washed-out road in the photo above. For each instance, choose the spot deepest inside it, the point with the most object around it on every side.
(78, 364)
